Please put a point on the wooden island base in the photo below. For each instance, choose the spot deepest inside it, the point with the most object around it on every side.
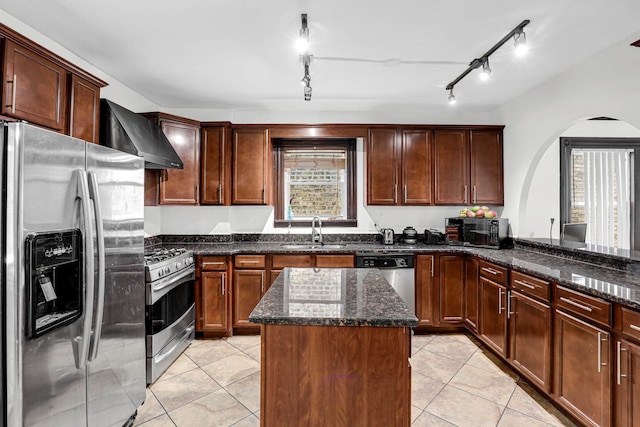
(335, 376)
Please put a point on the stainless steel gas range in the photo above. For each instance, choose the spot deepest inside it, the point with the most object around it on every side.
(170, 306)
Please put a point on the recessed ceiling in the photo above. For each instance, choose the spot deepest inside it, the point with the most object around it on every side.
(239, 55)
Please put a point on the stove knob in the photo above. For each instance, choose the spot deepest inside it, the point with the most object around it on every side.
(178, 265)
(168, 270)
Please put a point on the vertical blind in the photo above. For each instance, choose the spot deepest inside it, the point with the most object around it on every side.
(607, 185)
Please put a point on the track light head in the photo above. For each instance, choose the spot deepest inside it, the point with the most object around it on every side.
(486, 70)
(306, 80)
(307, 93)
(302, 44)
(520, 41)
(452, 97)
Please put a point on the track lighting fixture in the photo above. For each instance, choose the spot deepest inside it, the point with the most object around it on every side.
(452, 97)
(486, 70)
(520, 40)
(302, 44)
(305, 58)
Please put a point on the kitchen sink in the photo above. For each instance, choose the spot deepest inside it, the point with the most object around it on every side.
(312, 246)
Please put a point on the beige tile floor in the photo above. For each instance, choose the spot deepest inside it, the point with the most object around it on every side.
(454, 383)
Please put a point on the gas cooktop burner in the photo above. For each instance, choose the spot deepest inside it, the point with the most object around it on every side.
(156, 255)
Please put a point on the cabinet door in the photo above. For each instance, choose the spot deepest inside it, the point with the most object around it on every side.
(416, 168)
(493, 315)
(84, 112)
(180, 186)
(487, 181)
(530, 339)
(426, 290)
(451, 167)
(251, 167)
(383, 167)
(214, 312)
(471, 293)
(627, 384)
(216, 157)
(35, 89)
(248, 287)
(451, 283)
(582, 376)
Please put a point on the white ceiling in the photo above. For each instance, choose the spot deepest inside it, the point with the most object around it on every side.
(239, 54)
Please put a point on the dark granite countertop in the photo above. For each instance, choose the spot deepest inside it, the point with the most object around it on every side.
(613, 278)
(332, 297)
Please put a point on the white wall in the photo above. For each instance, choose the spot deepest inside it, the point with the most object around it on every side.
(606, 84)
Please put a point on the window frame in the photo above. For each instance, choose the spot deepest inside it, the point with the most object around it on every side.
(347, 144)
(567, 144)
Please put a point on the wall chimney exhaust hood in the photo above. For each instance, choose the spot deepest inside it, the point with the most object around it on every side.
(132, 133)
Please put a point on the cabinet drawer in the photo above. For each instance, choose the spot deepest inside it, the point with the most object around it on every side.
(592, 308)
(530, 285)
(249, 261)
(210, 263)
(493, 272)
(335, 261)
(282, 261)
(631, 323)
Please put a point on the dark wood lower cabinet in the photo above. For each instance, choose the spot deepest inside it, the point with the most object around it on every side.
(627, 384)
(471, 294)
(451, 280)
(492, 327)
(215, 302)
(248, 287)
(582, 370)
(426, 290)
(530, 339)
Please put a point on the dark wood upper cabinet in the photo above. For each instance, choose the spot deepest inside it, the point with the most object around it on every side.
(487, 180)
(35, 88)
(468, 167)
(84, 110)
(451, 167)
(416, 168)
(180, 186)
(251, 168)
(383, 167)
(215, 178)
(399, 167)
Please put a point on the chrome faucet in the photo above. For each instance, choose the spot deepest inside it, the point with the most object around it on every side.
(316, 235)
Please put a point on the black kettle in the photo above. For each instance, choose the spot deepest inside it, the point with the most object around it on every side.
(410, 236)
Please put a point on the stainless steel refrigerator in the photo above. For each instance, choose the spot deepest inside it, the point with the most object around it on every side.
(72, 304)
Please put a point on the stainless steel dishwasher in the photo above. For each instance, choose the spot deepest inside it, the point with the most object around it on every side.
(398, 269)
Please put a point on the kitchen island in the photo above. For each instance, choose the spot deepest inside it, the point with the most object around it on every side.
(335, 350)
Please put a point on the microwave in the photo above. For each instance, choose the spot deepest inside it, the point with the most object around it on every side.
(483, 232)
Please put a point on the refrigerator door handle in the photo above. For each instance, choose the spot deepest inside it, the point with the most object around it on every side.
(81, 342)
(97, 328)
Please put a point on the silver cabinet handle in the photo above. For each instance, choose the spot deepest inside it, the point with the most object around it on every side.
(525, 284)
(220, 194)
(432, 265)
(405, 193)
(466, 198)
(600, 341)
(249, 262)
(491, 270)
(500, 301)
(213, 263)
(509, 312)
(262, 282)
(475, 198)
(634, 327)
(223, 280)
(576, 304)
(620, 375)
(395, 193)
(14, 85)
